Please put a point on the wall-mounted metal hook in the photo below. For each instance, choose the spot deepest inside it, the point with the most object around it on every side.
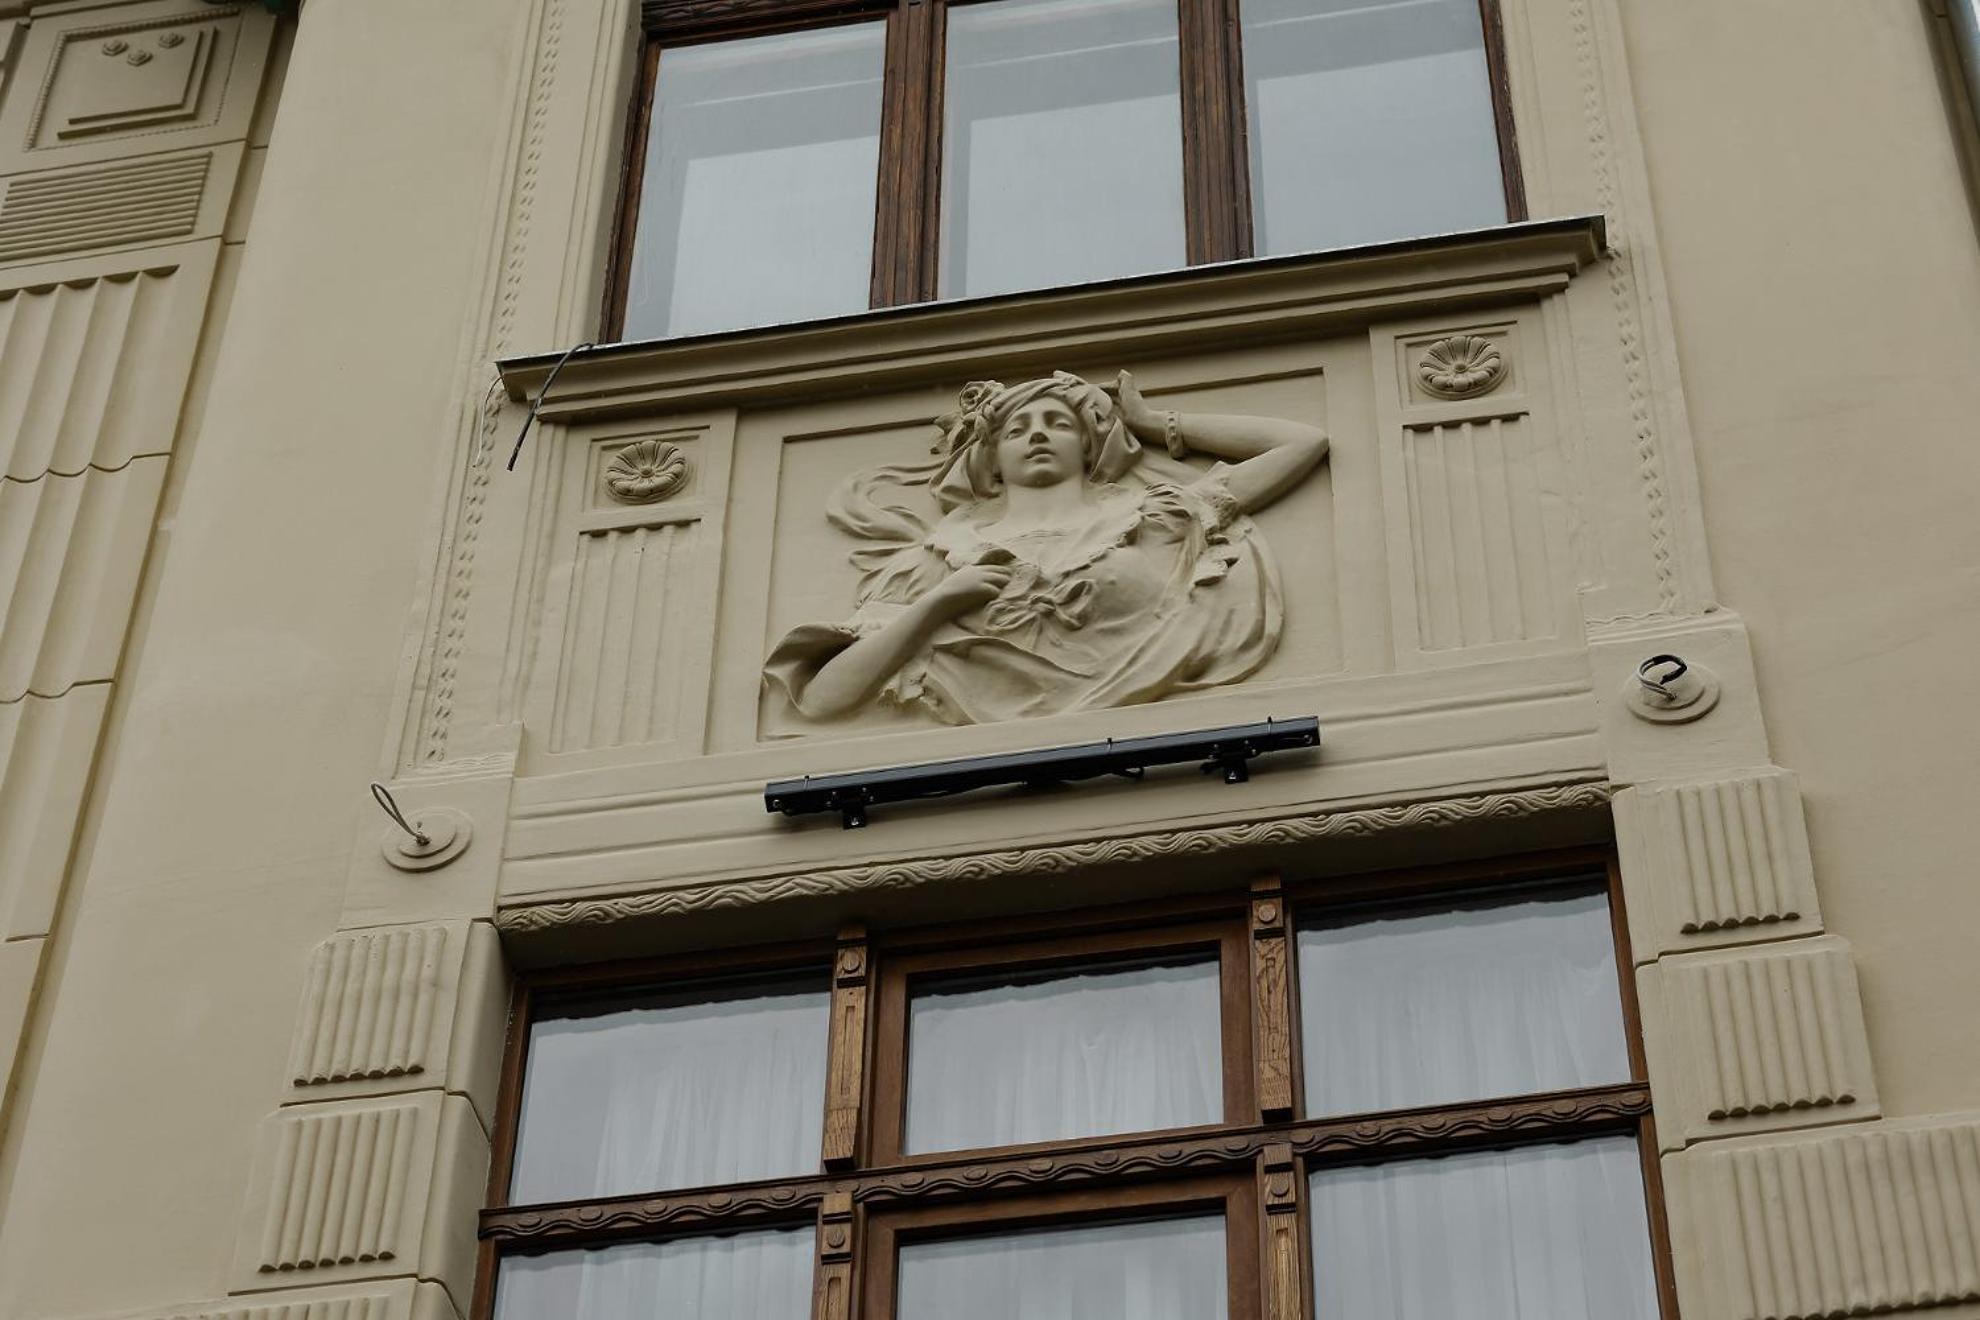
(430, 838)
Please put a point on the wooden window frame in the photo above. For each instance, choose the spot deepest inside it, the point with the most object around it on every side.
(1217, 212)
(864, 1201)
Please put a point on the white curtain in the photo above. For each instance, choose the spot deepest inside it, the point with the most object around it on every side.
(1164, 1270)
(1539, 1233)
(1131, 1049)
(747, 1276)
(1466, 1004)
(673, 1094)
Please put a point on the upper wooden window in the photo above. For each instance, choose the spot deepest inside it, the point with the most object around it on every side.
(792, 159)
(1416, 1096)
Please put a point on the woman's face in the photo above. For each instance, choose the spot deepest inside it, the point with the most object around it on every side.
(1041, 444)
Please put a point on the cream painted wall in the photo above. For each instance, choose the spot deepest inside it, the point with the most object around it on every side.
(278, 604)
(1825, 283)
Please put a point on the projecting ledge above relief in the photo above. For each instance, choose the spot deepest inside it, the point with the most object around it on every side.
(1057, 554)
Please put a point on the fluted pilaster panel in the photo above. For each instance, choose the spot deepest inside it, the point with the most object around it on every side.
(1860, 1221)
(340, 1189)
(1756, 1039)
(1716, 860)
(368, 1008)
(77, 361)
(46, 747)
(71, 550)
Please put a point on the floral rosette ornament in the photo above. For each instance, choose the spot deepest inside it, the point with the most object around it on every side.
(646, 471)
(1461, 366)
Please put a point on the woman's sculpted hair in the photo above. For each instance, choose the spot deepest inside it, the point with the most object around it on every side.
(966, 469)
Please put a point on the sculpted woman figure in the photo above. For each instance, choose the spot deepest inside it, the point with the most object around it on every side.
(1071, 566)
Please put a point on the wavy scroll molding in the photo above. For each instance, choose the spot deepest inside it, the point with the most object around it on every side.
(1056, 859)
(1564, 1114)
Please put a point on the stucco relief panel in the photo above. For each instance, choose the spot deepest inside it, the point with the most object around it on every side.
(1136, 566)
(166, 70)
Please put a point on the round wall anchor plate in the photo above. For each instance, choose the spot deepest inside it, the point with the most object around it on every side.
(1697, 693)
(447, 832)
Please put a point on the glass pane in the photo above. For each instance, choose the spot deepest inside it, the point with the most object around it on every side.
(673, 1092)
(1470, 1003)
(1369, 119)
(1061, 144)
(748, 1276)
(1539, 1233)
(761, 166)
(1047, 1057)
(1170, 1269)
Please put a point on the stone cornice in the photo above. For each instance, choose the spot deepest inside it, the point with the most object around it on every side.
(1232, 303)
(1058, 859)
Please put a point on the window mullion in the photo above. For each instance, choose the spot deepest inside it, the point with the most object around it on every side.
(1282, 1207)
(845, 1058)
(904, 231)
(1271, 1003)
(1217, 202)
(832, 1270)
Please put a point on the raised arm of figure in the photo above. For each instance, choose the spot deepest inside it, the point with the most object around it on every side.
(1269, 456)
(851, 678)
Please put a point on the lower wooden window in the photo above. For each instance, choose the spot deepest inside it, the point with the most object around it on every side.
(1399, 1097)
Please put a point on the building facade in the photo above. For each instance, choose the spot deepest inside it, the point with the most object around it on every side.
(461, 459)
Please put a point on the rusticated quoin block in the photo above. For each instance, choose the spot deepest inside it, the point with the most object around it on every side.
(1715, 861)
(1850, 1221)
(1756, 1039)
(397, 1008)
(362, 1189)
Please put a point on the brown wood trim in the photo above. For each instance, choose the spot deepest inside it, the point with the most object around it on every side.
(1225, 939)
(616, 1219)
(675, 19)
(1284, 1242)
(1632, 1010)
(1107, 1162)
(1454, 882)
(845, 1075)
(1231, 1193)
(673, 971)
(1558, 1116)
(632, 179)
(1657, 1213)
(838, 1250)
(1510, 174)
(508, 1097)
(1216, 165)
(1135, 914)
(907, 206)
(1271, 1004)
(502, 1149)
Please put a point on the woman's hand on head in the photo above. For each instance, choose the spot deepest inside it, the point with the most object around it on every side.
(1135, 410)
(968, 588)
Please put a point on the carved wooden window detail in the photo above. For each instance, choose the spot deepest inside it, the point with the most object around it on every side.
(1027, 1156)
(790, 159)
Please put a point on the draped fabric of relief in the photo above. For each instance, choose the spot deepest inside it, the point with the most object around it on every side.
(1166, 1270)
(1131, 1049)
(747, 1276)
(673, 1094)
(1539, 1233)
(1462, 1004)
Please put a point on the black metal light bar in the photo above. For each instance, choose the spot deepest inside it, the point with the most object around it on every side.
(1227, 752)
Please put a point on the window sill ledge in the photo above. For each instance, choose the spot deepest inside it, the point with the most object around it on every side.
(1235, 303)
